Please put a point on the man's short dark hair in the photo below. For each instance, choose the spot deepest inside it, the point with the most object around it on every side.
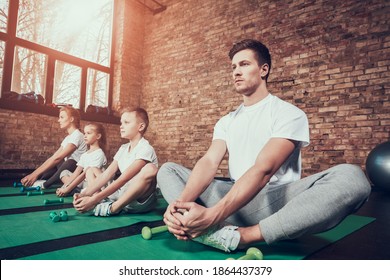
(261, 51)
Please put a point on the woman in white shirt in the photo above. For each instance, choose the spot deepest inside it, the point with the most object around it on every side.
(67, 155)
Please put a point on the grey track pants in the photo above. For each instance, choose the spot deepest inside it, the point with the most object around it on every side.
(311, 205)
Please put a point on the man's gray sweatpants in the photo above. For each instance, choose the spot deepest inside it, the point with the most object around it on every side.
(311, 205)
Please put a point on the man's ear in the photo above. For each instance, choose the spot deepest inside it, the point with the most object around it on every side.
(264, 70)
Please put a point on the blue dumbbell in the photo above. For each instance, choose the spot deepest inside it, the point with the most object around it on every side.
(23, 189)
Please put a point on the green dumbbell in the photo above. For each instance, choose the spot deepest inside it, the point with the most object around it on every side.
(23, 189)
(53, 201)
(63, 215)
(35, 193)
(54, 217)
(148, 232)
(251, 254)
(18, 184)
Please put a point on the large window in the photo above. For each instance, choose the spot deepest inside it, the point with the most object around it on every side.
(60, 49)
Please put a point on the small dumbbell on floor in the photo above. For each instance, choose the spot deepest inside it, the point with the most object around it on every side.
(53, 201)
(54, 217)
(251, 254)
(148, 232)
(18, 184)
(63, 215)
(35, 193)
(23, 189)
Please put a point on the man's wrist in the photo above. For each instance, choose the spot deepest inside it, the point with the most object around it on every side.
(216, 214)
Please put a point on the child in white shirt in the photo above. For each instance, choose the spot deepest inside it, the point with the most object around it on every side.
(134, 190)
(91, 163)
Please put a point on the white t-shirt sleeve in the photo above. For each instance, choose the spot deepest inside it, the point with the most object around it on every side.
(147, 153)
(220, 129)
(291, 123)
(74, 138)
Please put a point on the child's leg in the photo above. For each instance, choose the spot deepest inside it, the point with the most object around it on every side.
(70, 165)
(91, 174)
(50, 172)
(140, 188)
(65, 176)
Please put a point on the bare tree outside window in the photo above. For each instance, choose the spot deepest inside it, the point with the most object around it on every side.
(97, 87)
(29, 71)
(79, 28)
(3, 15)
(67, 84)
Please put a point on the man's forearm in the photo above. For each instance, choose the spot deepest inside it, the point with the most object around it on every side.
(200, 178)
(242, 192)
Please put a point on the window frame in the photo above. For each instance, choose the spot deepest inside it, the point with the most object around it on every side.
(11, 41)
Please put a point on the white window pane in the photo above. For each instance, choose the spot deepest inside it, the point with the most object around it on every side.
(81, 28)
(3, 15)
(29, 71)
(97, 91)
(67, 83)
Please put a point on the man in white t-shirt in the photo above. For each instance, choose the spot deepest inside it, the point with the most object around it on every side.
(265, 199)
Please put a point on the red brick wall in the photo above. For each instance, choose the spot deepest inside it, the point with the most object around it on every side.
(330, 58)
(129, 40)
(28, 139)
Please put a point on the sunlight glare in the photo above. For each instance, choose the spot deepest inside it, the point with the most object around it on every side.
(79, 13)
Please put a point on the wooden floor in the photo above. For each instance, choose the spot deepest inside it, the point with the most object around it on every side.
(369, 243)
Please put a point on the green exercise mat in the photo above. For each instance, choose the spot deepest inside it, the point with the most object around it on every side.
(26, 228)
(165, 247)
(8, 191)
(22, 200)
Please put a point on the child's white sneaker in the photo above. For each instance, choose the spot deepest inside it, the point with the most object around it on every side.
(39, 183)
(103, 209)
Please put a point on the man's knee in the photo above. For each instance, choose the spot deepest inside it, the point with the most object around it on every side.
(165, 170)
(355, 180)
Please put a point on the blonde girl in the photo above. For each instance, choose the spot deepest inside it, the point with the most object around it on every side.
(91, 163)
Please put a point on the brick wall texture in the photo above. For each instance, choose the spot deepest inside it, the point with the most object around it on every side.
(330, 58)
(28, 139)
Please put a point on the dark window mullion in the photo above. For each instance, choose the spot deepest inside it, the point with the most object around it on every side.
(83, 88)
(9, 50)
(49, 79)
(60, 55)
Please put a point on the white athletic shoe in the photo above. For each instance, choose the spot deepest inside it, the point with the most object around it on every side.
(103, 209)
(225, 238)
(39, 183)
